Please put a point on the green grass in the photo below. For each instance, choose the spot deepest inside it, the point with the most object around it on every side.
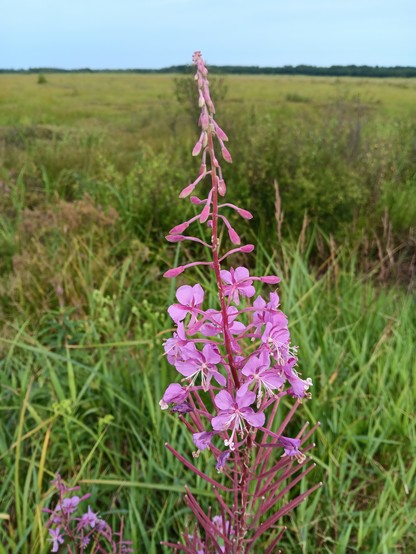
(90, 170)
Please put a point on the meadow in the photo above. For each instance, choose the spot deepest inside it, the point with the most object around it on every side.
(90, 170)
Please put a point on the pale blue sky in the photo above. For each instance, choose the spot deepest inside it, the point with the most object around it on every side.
(159, 33)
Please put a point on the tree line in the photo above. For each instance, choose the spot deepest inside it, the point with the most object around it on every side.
(332, 71)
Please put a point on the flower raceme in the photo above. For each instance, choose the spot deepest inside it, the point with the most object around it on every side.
(235, 364)
(73, 533)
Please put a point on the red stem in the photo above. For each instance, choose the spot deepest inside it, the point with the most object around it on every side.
(216, 264)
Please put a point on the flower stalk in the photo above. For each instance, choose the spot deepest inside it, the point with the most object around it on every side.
(236, 365)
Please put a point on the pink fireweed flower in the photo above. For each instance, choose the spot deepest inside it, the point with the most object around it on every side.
(204, 364)
(174, 394)
(190, 301)
(69, 505)
(89, 519)
(214, 325)
(222, 460)
(276, 338)
(56, 539)
(176, 346)
(237, 282)
(299, 387)
(183, 408)
(233, 413)
(203, 440)
(291, 447)
(266, 313)
(258, 372)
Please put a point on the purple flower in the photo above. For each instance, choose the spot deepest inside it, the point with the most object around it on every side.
(175, 393)
(214, 326)
(219, 524)
(190, 300)
(203, 440)
(299, 387)
(90, 518)
(69, 505)
(233, 413)
(237, 282)
(183, 408)
(56, 539)
(266, 313)
(175, 347)
(276, 338)
(202, 363)
(291, 447)
(222, 460)
(257, 370)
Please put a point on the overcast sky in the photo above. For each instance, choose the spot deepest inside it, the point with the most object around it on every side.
(157, 33)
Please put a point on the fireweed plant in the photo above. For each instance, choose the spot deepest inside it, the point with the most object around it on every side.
(73, 533)
(236, 365)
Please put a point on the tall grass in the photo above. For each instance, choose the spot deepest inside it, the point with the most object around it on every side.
(86, 195)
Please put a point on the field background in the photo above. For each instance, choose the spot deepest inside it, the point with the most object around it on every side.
(90, 170)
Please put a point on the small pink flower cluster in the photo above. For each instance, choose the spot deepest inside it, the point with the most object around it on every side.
(235, 360)
(74, 533)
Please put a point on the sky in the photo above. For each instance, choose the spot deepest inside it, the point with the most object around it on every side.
(158, 33)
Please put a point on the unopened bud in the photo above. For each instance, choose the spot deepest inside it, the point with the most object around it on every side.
(197, 148)
(174, 272)
(226, 155)
(175, 238)
(222, 188)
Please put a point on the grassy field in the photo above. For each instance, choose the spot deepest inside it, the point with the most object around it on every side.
(90, 170)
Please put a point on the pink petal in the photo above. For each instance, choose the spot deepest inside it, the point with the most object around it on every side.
(245, 397)
(187, 368)
(224, 400)
(272, 379)
(251, 366)
(241, 273)
(219, 377)
(211, 354)
(247, 290)
(177, 312)
(223, 421)
(175, 393)
(253, 418)
(226, 276)
(198, 293)
(185, 295)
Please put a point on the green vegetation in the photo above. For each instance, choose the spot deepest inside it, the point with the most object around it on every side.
(90, 170)
(332, 71)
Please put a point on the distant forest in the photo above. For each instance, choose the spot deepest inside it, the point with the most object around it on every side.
(333, 71)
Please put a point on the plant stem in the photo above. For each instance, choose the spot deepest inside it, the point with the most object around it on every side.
(216, 264)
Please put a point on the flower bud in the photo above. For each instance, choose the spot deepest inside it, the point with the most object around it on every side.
(226, 155)
(222, 188)
(174, 272)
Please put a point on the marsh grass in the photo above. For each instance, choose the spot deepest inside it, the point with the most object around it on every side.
(89, 179)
